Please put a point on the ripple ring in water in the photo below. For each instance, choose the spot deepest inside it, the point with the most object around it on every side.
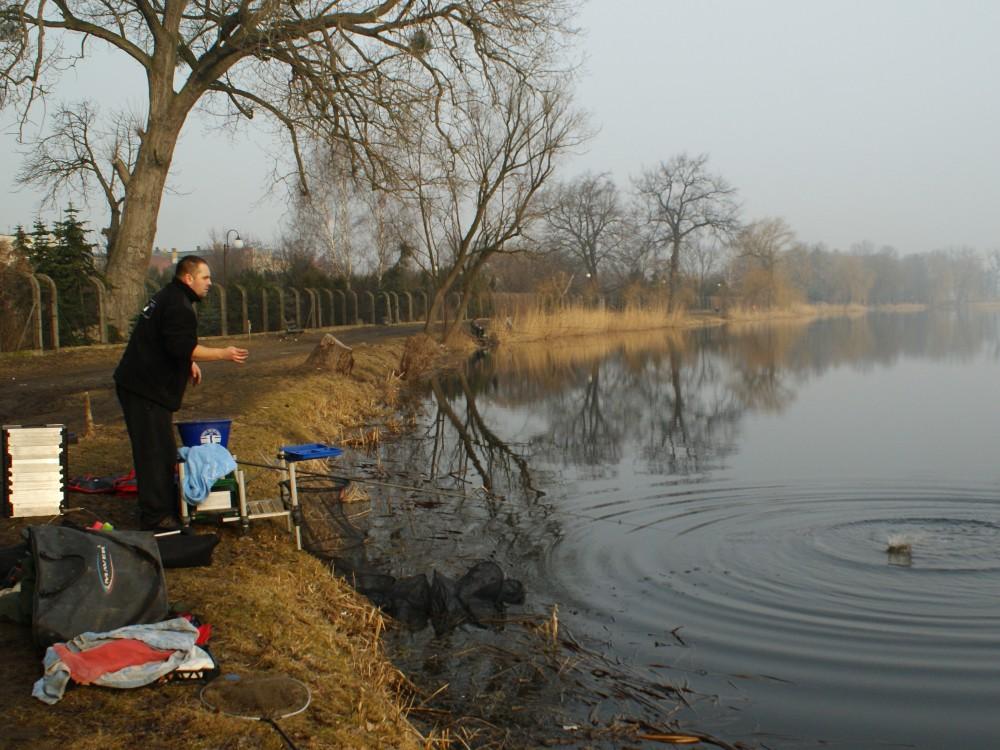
(796, 582)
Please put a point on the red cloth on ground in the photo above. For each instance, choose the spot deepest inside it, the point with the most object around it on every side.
(86, 666)
(204, 633)
(204, 628)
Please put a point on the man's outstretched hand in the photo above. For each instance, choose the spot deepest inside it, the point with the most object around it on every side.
(237, 355)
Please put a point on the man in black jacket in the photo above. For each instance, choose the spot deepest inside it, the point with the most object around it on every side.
(161, 356)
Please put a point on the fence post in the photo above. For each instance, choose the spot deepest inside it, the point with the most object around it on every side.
(102, 324)
(298, 304)
(329, 298)
(53, 310)
(371, 304)
(354, 297)
(409, 307)
(282, 323)
(36, 312)
(343, 307)
(423, 295)
(243, 308)
(311, 320)
(388, 308)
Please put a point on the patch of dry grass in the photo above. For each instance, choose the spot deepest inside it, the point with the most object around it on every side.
(273, 609)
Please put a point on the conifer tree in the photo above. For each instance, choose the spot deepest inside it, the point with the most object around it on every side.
(22, 245)
(67, 258)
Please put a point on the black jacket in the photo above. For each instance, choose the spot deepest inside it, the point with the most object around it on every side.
(157, 361)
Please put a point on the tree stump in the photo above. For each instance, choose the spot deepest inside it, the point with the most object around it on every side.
(331, 354)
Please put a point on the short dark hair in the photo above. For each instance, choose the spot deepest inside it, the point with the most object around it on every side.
(188, 264)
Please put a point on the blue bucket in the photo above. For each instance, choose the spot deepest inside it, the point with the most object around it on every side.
(204, 431)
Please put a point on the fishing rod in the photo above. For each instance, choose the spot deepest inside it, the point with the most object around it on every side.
(359, 480)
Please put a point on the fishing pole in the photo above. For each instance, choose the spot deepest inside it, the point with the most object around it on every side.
(359, 480)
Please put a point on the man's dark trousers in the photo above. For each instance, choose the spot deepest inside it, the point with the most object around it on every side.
(154, 451)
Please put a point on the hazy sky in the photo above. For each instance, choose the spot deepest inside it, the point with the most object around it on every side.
(875, 120)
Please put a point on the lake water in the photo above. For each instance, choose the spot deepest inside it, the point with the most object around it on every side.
(714, 509)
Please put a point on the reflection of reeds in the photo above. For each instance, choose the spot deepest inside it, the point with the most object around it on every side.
(798, 311)
(364, 439)
(543, 359)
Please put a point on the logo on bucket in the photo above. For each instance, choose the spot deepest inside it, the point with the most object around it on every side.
(211, 435)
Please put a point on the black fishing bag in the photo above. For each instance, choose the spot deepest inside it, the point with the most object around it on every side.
(186, 550)
(93, 581)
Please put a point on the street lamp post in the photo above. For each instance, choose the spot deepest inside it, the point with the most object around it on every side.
(237, 243)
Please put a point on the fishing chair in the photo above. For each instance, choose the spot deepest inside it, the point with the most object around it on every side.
(286, 505)
(226, 502)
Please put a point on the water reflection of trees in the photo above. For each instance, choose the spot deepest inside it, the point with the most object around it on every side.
(686, 419)
(675, 403)
(480, 487)
(475, 444)
(585, 421)
(668, 404)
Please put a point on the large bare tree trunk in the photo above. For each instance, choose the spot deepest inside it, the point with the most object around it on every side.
(460, 315)
(440, 300)
(434, 310)
(128, 258)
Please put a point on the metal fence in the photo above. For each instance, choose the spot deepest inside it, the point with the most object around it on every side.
(30, 315)
(31, 319)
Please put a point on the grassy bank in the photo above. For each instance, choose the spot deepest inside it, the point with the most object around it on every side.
(273, 609)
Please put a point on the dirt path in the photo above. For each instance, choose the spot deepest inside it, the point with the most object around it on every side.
(49, 388)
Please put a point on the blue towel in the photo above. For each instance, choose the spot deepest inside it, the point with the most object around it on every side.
(203, 465)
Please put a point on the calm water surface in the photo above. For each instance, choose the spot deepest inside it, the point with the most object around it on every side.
(714, 510)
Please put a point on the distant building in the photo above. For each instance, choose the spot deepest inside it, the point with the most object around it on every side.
(235, 260)
(261, 260)
(163, 260)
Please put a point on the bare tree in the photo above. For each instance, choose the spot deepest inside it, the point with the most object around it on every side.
(325, 218)
(763, 244)
(583, 220)
(473, 185)
(682, 201)
(969, 275)
(760, 247)
(79, 155)
(349, 71)
(381, 253)
(634, 257)
(700, 262)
